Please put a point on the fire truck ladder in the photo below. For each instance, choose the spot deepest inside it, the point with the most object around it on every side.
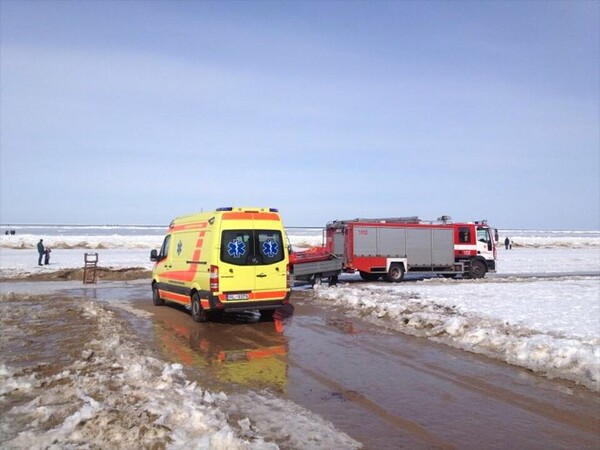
(90, 268)
(411, 219)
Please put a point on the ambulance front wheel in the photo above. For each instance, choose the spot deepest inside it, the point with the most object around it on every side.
(198, 313)
(156, 296)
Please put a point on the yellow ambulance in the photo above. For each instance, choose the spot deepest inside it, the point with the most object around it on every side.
(231, 259)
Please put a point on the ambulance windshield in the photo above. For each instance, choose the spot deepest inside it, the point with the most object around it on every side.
(251, 247)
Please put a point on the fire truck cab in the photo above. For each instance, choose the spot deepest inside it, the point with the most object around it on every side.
(391, 247)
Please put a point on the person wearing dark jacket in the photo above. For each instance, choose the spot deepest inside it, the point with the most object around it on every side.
(40, 247)
(47, 256)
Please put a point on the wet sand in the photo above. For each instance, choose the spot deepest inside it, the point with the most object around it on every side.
(103, 273)
(383, 389)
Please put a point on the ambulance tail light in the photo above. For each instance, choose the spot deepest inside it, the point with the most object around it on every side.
(214, 278)
(288, 278)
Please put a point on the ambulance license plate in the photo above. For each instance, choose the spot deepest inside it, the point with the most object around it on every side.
(245, 296)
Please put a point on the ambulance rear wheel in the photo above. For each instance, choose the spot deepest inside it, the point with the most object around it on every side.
(395, 274)
(198, 313)
(156, 296)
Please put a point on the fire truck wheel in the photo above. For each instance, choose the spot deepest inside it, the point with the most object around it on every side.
(477, 269)
(317, 280)
(395, 274)
(156, 296)
(369, 276)
(198, 313)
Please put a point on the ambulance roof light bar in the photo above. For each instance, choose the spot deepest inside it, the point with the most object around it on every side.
(230, 208)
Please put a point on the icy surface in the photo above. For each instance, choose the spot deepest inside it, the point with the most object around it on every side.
(114, 394)
(550, 326)
(540, 311)
(131, 237)
(560, 252)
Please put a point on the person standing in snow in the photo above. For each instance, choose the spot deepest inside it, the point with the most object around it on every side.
(40, 247)
(47, 256)
(506, 243)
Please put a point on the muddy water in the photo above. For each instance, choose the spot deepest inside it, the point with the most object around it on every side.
(387, 391)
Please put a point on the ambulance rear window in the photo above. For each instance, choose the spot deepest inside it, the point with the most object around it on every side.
(251, 247)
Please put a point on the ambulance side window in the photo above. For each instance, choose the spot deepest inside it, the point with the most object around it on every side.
(164, 250)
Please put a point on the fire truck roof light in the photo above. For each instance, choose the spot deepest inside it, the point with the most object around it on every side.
(225, 208)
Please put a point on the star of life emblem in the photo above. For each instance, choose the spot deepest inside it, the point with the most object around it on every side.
(236, 248)
(270, 248)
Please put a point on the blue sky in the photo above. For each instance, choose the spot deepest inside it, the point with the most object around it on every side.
(136, 112)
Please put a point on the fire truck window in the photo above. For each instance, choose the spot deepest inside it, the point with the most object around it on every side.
(482, 235)
(464, 234)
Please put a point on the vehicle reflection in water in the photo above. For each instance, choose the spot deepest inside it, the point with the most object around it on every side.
(342, 324)
(240, 348)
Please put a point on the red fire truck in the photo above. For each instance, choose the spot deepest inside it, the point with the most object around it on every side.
(391, 247)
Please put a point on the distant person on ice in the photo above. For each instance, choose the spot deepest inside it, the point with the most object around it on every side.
(507, 244)
(47, 256)
(40, 247)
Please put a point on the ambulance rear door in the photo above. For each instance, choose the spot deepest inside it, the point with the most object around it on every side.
(237, 272)
(271, 262)
(252, 261)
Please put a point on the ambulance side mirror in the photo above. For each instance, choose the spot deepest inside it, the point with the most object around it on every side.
(153, 255)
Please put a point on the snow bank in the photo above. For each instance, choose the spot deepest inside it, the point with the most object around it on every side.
(29, 241)
(555, 242)
(21, 263)
(115, 394)
(548, 260)
(548, 326)
(299, 238)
